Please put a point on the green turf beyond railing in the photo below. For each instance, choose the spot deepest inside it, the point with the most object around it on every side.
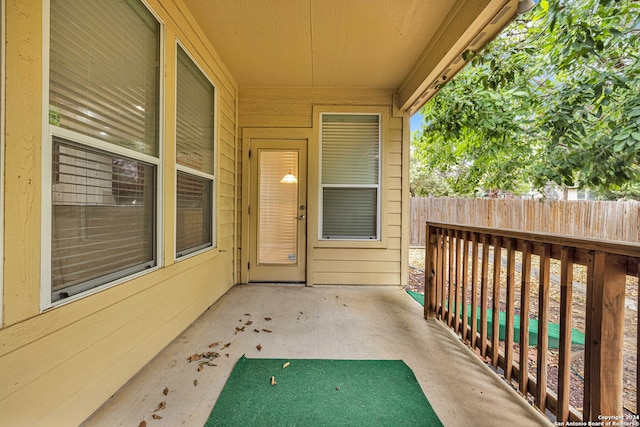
(577, 337)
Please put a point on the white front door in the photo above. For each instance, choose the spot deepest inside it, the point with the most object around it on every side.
(277, 210)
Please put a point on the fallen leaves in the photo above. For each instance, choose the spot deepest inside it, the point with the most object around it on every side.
(165, 391)
(156, 417)
(215, 344)
(226, 345)
(195, 383)
(273, 381)
(267, 330)
(268, 319)
(259, 347)
(162, 405)
(286, 365)
(143, 423)
(198, 356)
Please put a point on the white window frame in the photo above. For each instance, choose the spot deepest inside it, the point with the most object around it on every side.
(49, 131)
(378, 186)
(196, 172)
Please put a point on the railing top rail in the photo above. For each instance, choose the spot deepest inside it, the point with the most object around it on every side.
(613, 247)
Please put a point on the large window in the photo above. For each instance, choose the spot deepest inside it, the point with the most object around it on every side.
(103, 145)
(195, 154)
(350, 196)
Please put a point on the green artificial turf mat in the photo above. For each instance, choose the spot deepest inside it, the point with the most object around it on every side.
(577, 337)
(311, 392)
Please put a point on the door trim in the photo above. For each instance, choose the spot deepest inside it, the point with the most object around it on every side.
(270, 133)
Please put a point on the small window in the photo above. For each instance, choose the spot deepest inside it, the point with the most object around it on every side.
(195, 157)
(104, 83)
(350, 197)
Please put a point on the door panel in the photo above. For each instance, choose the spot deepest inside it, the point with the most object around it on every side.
(277, 211)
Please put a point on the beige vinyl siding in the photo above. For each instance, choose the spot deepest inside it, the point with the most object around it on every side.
(58, 366)
(337, 263)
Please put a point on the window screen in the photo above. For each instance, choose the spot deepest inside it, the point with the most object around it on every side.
(194, 157)
(350, 176)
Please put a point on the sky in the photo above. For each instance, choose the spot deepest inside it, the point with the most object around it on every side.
(416, 121)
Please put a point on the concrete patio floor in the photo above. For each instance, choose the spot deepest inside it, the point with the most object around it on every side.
(322, 323)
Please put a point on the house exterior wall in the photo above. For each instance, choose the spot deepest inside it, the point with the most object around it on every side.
(58, 365)
(273, 110)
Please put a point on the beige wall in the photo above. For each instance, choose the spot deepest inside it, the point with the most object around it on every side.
(348, 263)
(58, 366)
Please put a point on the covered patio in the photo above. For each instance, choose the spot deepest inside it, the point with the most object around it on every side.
(321, 322)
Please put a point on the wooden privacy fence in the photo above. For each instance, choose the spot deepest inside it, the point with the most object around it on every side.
(468, 285)
(619, 221)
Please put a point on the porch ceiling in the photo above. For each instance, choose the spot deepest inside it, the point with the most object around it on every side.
(406, 45)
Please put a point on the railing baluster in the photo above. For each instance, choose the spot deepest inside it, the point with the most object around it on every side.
(484, 298)
(456, 288)
(474, 289)
(543, 328)
(508, 345)
(465, 284)
(452, 277)
(525, 288)
(442, 289)
(495, 305)
(566, 298)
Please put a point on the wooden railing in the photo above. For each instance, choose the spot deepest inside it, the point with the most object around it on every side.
(466, 268)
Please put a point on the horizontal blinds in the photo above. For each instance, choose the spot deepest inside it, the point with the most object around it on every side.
(278, 208)
(350, 149)
(193, 214)
(104, 71)
(102, 217)
(194, 124)
(350, 176)
(349, 213)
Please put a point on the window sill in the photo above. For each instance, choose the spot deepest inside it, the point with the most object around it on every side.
(352, 244)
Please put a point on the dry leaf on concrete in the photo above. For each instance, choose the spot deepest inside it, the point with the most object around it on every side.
(156, 417)
(165, 391)
(161, 406)
(259, 347)
(267, 330)
(215, 344)
(143, 423)
(268, 319)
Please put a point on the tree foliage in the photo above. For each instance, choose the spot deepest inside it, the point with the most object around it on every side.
(555, 98)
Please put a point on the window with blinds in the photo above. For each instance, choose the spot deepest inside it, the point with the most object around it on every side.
(195, 153)
(104, 71)
(104, 83)
(350, 197)
(103, 218)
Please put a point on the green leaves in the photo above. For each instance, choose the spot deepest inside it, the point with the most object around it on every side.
(556, 98)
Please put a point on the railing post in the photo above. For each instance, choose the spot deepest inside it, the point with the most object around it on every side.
(431, 241)
(606, 279)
